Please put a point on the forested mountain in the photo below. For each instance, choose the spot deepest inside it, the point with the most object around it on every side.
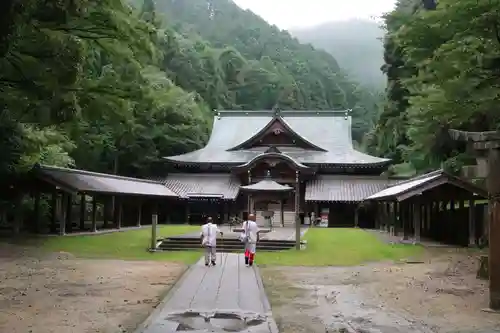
(443, 64)
(356, 45)
(264, 67)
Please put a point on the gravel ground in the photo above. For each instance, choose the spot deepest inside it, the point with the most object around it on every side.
(440, 294)
(58, 293)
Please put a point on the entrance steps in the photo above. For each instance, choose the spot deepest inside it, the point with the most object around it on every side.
(229, 244)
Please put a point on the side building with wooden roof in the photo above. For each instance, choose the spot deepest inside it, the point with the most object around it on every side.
(309, 151)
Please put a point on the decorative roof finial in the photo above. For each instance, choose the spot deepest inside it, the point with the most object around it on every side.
(347, 113)
(277, 112)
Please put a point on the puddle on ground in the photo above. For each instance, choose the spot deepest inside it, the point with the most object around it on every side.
(216, 322)
(343, 309)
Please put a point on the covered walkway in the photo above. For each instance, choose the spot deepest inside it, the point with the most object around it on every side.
(67, 200)
(435, 206)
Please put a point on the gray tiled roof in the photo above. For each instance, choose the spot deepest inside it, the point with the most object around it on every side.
(329, 130)
(417, 185)
(208, 185)
(344, 188)
(267, 185)
(404, 186)
(93, 182)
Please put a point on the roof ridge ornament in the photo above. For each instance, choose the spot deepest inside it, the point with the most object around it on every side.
(217, 113)
(347, 113)
(272, 149)
(277, 112)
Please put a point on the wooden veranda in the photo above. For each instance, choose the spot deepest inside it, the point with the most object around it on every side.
(436, 206)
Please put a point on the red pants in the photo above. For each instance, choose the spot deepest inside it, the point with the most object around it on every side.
(250, 256)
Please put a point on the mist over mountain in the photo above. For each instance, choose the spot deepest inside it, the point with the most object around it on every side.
(355, 44)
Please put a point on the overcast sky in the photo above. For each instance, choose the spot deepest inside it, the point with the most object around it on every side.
(304, 13)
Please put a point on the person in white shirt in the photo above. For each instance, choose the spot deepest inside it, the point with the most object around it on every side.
(250, 237)
(208, 237)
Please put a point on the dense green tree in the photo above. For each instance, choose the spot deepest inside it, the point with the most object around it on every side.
(442, 68)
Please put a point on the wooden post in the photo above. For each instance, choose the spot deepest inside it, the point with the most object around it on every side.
(119, 212)
(417, 215)
(356, 216)
(105, 208)
(282, 212)
(53, 212)
(493, 183)
(154, 223)
(83, 209)
(249, 197)
(139, 214)
(297, 211)
(60, 213)
(94, 214)
(404, 219)
(472, 223)
(68, 213)
(37, 212)
(18, 217)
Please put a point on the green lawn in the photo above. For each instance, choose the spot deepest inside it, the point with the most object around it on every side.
(128, 245)
(325, 247)
(339, 247)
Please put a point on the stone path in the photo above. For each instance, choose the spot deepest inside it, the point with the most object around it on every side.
(228, 297)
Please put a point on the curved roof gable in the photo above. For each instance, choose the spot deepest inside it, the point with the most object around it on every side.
(276, 120)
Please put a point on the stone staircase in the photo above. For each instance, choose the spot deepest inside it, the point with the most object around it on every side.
(229, 244)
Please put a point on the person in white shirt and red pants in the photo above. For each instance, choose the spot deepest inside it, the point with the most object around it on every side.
(208, 237)
(250, 237)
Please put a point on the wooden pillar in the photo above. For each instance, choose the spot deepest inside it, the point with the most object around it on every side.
(282, 212)
(187, 212)
(397, 218)
(94, 213)
(18, 217)
(249, 197)
(297, 211)
(417, 215)
(403, 219)
(105, 211)
(119, 212)
(154, 223)
(251, 208)
(356, 216)
(60, 213)
(428, 217)
(388, 217)
(472, 223)
(394, 219)
(139, 214)
(53, 212)
(68, 216)
(83, 209)
(36, 227)
(493, 184)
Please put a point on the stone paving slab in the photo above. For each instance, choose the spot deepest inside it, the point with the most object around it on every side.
(228, 297)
